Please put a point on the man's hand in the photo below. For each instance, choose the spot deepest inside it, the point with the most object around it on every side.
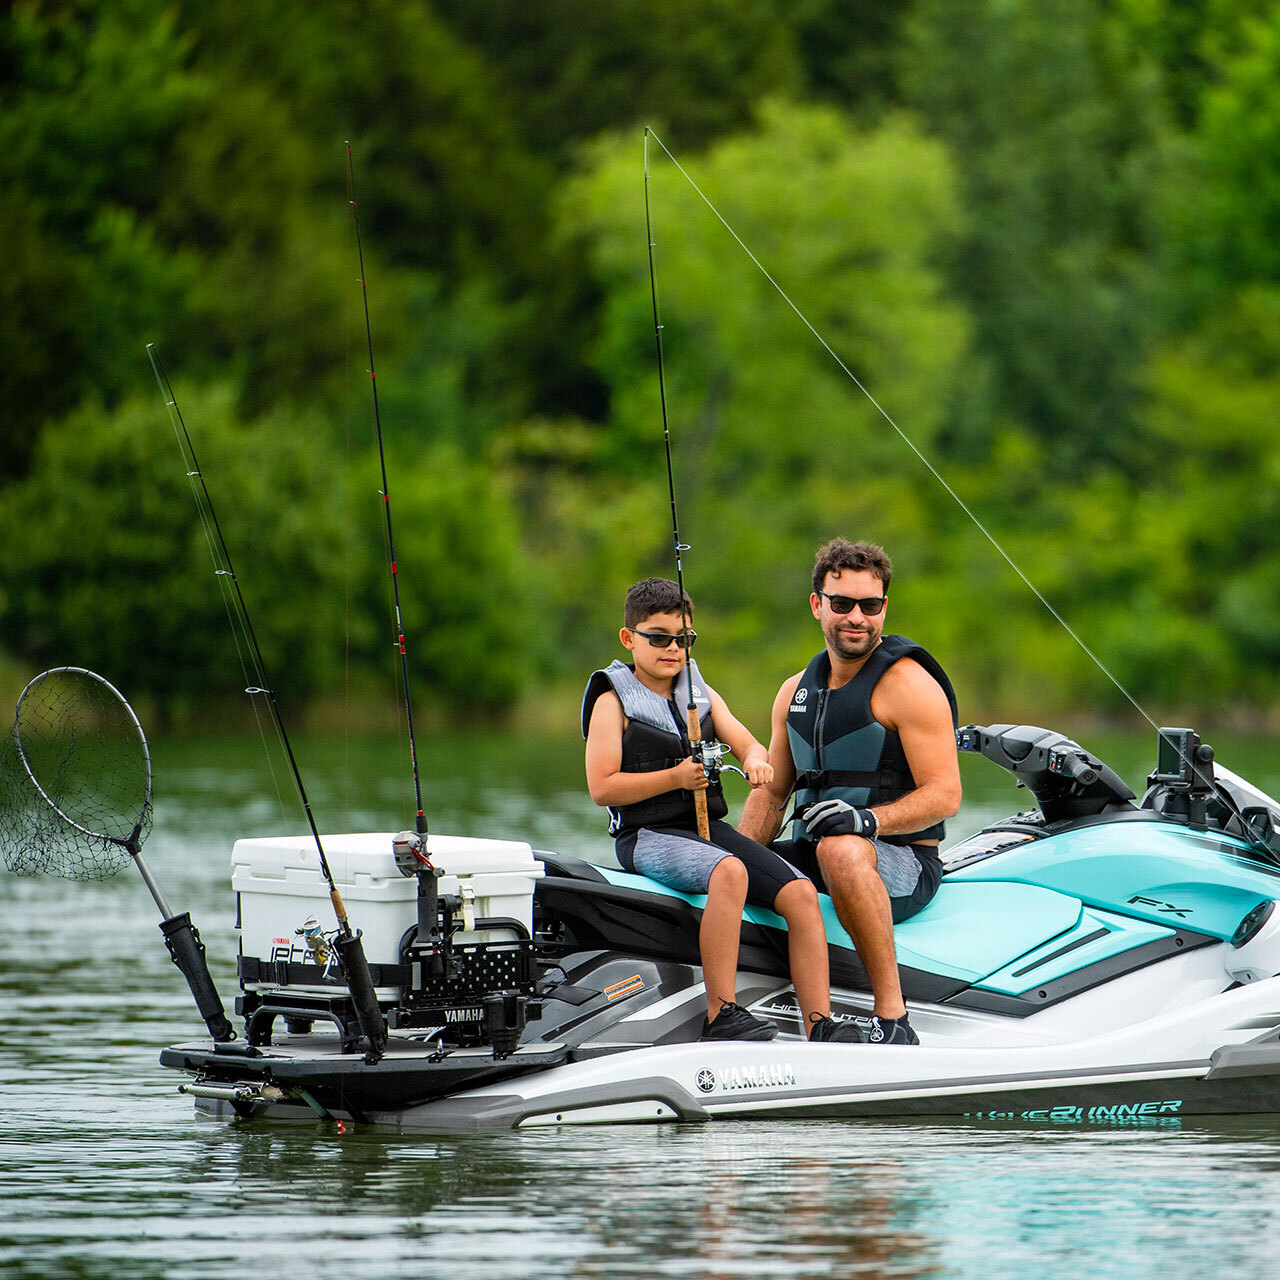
(837, 818)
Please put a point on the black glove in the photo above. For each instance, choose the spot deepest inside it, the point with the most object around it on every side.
(838, 818)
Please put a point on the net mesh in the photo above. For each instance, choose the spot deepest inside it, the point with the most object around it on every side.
(75, 779)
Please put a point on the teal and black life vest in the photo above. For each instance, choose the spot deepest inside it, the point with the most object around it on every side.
(655, 738)
(841, 750)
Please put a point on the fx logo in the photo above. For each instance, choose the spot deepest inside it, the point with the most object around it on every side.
(1165, 908)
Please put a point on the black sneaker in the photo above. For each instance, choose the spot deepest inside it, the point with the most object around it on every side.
(891, 1031)
(828, 1029)
(733, 1022)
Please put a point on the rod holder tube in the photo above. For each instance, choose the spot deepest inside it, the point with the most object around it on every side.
(429, 906)
(187, 951)
(359, 982)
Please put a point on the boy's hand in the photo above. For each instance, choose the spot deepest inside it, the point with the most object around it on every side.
(758, 770)
(689, 775)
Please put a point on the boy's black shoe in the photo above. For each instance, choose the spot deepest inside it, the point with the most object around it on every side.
(828, 1029)
(891, 1031)
(733, 1022)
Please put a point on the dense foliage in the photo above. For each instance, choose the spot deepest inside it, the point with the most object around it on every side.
(1045, 238)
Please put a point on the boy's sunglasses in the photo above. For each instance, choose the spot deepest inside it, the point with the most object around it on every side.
(664, 639)
(870, 605)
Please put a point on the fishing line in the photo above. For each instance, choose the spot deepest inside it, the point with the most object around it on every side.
(937, 475)
(906, 439)
(386, 503)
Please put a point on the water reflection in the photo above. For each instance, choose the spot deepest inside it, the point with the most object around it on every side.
(802, 1200)
(107, 1172)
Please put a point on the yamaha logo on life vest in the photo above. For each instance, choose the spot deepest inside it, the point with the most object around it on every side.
(797, 704)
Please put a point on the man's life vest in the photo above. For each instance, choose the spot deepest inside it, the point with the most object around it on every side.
(655, 738)
(841, 750)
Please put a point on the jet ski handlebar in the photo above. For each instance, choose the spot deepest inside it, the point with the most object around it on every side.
(1069, 783)
(1066, 780)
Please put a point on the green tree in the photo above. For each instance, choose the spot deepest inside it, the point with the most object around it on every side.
(103, 562)
(578, 68)
(453, 204)
(89, 98)
(774, 445)
(472, 603)
(1054, 116)
(849, 50)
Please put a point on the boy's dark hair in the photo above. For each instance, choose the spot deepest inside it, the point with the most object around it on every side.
(861, 557)
(653, 595)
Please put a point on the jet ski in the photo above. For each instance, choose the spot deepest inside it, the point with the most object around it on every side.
(1093, 958)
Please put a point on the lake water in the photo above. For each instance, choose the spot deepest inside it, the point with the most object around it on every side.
(106, 1171)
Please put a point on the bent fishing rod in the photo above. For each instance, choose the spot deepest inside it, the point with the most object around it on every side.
(355, 966)
(386, 503)
(1194, 766)
(692, 720)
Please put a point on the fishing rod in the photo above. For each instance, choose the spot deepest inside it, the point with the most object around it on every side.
(692, 720)
(386, 503)
(350, 949)
(1165, 737)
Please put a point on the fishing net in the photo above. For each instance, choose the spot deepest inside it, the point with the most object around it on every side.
(75, 779)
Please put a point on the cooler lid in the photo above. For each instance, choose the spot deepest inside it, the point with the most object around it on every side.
(369, 854)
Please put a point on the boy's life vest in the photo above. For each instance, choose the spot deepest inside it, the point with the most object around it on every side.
(655, 738)
(841, 750)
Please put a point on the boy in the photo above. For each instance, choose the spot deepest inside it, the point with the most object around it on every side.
(639, 765)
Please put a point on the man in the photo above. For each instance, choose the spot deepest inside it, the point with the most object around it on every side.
(865, 737)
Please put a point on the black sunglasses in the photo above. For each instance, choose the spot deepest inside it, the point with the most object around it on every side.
(870, 605)
(664, 639)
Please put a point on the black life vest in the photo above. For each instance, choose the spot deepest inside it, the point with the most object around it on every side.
(655, 738)
(841, 750)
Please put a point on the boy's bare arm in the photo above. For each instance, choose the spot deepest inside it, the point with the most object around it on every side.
(737, 737)
(606, 780)
(766, 806)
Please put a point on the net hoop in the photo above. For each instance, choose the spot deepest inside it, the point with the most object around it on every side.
(131, 842)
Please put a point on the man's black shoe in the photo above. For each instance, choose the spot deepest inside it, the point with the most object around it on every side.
(828, 1029)
(891, 1031)
(733, 1022)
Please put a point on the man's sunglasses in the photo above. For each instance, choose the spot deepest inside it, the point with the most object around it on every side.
(664, 639)
(870, 605)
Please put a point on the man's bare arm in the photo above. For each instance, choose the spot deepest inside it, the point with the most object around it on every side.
(766, 806)
(911, 702)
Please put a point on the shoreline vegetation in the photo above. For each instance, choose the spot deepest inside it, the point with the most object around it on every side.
(1042, 236)
(553, 712)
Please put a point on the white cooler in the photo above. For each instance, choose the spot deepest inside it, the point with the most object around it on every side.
(279, 885)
